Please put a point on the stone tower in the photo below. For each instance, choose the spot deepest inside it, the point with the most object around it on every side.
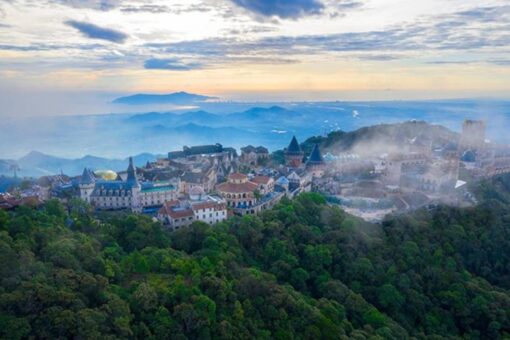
(294, 154)
(87, 184)
(132, 182)
(315, 163)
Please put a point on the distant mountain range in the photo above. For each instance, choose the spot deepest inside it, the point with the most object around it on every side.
(177, 98)
(36, 164)
(378, 139)
(161, 130)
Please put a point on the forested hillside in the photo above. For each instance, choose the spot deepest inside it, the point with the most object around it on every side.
(302, 270)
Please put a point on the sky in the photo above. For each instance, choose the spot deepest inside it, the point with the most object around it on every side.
(68, 56)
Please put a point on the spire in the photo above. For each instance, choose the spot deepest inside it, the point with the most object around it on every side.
(87, 177)
(315, 156)
(131, 173)
(294, 147)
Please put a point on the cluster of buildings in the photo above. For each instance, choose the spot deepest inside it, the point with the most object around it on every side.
(205, 183)
(211, 182)
(422, 170)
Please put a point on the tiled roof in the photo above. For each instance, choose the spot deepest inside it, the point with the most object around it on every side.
(237, 187)
(202, 149)
(294, 147)
(237, 176)
(131, 172)
(193, 177)
(282, 181)
(173, 209)
(208, 205)
(261, 179)
(315, 156)
(251, 148)
(87, 177)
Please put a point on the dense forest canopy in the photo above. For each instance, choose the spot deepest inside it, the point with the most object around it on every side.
(304, 270)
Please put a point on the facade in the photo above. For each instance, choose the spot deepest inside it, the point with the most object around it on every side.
(473, 135)
(293, 154)
(238, 191)
(205, 151)
(178, 214)
(254, 155)
(127, 194)
(206, 179)
(265, 184)
(246, 197)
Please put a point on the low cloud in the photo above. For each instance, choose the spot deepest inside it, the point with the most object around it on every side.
(170, 64)
(286, 9)
(481, 28)
(100, 5)
(96, 32)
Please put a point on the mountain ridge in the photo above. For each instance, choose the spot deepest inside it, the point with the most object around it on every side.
(177, 98)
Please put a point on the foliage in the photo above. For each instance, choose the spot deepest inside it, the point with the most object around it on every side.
(301, 270)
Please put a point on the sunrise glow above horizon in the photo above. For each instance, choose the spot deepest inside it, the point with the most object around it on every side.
(257, 49)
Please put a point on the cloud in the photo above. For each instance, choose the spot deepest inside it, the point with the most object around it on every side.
(171, 64)
(40, 47)
(287, 9)
(101, 5)
(97, 32)
(497, 62)
(452, 32)
(175, 9)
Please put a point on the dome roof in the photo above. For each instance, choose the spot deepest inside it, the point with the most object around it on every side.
(107, 175)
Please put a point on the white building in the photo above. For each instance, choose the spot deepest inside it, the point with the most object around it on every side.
(129, 194)
(178, 214)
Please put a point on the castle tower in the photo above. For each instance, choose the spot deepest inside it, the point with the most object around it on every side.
(315, 162)
(131, 174)
(132, 182)
(87, 184)
(473, 135)
(294, 154)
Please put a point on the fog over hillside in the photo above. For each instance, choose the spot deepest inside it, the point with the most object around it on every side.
(232, 124)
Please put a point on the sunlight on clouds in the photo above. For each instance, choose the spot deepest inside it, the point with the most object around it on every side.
(230, 46)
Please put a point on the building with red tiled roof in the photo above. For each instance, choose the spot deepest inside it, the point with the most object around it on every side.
(178, 214)
(238, 191)
(265, 184)
(248, 197)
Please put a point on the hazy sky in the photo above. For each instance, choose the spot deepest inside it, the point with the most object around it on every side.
(54, 53)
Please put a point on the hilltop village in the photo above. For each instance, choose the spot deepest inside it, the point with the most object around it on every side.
(209, 183)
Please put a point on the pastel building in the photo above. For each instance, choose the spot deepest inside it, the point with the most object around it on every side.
(179, 214)
(246, 196)
(127, 194)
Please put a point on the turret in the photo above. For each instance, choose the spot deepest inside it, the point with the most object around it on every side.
(87, 184)
(315, 162)
(294, 154)
(131, 174)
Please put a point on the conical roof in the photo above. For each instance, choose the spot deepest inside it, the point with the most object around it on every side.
(294, 147)
(87, 177)
(315, 156)
(131, 174)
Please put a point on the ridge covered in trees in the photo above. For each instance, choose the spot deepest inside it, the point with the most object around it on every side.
(304, 270)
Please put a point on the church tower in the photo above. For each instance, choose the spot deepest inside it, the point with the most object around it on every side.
(315, 163)
(294, 154)
(134, 185)
(87, 184)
